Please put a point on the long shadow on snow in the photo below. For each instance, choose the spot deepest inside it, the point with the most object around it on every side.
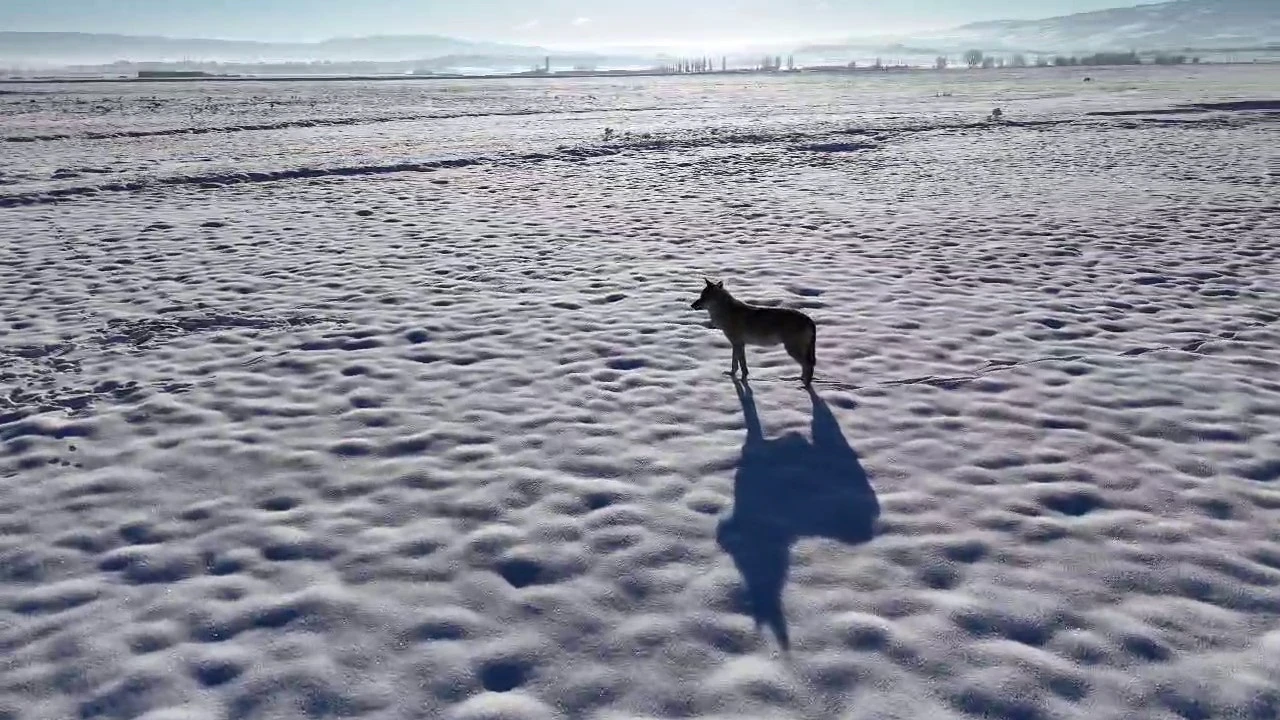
(786, 489)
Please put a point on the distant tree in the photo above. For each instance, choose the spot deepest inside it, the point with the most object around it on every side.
(940, 63)
(1019, 60)
(988, 62)
(791, 62)
(1042, 61)
(973, 58)
(724, 63)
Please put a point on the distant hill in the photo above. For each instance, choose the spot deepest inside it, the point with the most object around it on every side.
(55, 48)
(1198, 24)
(1201, 24)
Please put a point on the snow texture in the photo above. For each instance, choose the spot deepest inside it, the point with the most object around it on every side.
(386, 400)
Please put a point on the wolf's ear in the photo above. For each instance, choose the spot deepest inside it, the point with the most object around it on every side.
(720, 284)
(707, 280)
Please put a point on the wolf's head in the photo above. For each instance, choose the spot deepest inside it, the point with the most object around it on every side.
(710, 292)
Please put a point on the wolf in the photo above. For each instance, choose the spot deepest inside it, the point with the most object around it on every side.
(745, 324)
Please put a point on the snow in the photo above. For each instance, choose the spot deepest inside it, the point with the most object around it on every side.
(405, 418)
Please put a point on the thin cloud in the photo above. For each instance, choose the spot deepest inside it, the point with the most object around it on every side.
(581, 21)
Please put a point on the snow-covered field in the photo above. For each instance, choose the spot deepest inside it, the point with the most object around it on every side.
(387, 401)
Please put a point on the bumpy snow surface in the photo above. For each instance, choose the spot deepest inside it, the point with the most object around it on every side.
(386, 400)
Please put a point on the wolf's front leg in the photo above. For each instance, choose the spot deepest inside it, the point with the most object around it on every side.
(740, 359)
(733, 368)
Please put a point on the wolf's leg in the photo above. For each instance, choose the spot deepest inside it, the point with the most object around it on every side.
(733, 369)
(796, 351)
(810, 358)
(740, 358)
(802, 351)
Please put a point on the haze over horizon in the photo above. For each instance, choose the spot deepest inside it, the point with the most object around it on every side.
(577, 24)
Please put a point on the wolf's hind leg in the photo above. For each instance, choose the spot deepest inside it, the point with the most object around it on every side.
(740, 359)
(811, 356)
(802, 351)
(797, 353)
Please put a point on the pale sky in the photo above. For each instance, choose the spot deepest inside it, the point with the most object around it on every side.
(563, 23)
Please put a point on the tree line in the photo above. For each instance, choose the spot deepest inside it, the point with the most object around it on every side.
(769, 63)
(978, 58)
